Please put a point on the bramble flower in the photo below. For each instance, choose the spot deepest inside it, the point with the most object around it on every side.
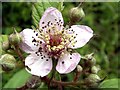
(53, 41)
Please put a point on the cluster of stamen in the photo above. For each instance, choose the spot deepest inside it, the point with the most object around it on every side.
(55, 40)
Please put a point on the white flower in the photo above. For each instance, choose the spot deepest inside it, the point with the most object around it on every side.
(52, 40)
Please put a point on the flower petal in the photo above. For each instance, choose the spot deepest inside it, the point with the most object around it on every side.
(36, 65)
(51, 16)
(82, 35)
(68, 62)
(29, 43)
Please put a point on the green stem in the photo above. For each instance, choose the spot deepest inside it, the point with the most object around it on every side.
(53, 71)
(45, 79)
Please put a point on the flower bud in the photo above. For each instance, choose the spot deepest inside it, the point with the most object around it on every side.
(15, 38)
(79, 68)
(76, 14)
(92, 80)
(4, 42)
(34, 82)
(5, 45)
(95, 69)
(91, 59)
(7, 62)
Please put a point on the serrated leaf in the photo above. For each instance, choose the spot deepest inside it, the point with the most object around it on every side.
(18, 80)
(39, 8)
(110, 83)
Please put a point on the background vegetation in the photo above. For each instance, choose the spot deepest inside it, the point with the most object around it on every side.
(103, 18)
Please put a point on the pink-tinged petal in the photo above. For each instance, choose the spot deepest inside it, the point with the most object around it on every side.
(38, 65)
(68, 62)
(28, 43)
(82, 35)
(51, 16)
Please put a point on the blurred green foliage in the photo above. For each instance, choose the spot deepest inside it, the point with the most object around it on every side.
(103, 18)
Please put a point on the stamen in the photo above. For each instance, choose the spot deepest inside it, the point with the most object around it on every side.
(56, 41)
(36, 34)
(70, 57)
(62, 62)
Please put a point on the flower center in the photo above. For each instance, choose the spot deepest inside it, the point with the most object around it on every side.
(55, 44)
(55, 40)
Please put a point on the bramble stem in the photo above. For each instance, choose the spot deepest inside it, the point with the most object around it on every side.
(46, 79)
(77, 76)
(53, 71)
(17, 50)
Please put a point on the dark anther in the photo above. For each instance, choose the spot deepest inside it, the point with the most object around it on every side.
(37, 54)
(40, 49)
(36, 34)
(45, 26)
(28, 68)
(40, 42)
(34, 40)
(49, 30)
(62, 62)
(70, 53)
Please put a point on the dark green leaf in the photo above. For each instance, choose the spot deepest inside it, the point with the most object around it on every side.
(18, 80)
(110, 83)
(39, 8)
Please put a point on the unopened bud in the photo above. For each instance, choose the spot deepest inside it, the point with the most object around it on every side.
(95, 69)
(5, 45)
(34, 82)
(15, 38)
(92, 80)
(4, 42)
(7, 62)
(91, 59)
(76, 14)
(79, 68)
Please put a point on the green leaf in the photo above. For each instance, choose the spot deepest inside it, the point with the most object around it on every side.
(18, 80)
(3, 38)
(110, 83)
(39, 8)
